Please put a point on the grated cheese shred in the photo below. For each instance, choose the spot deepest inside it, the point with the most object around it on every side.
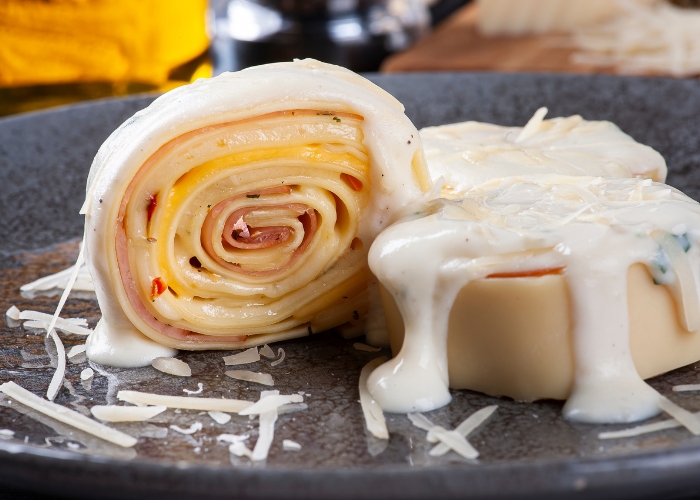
(113, 413)
(67, 416)
(267, 352)
(243, 358)
(280, 353)
(248, 376)
(172, 366)
(267, 429)
(364, 347)
(374, 417)
(184, 402)
(687, 419)
(271, 402)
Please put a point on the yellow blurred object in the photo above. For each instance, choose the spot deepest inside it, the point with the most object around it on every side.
(63, 41)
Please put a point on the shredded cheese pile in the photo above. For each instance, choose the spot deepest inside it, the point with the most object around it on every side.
(658, 38)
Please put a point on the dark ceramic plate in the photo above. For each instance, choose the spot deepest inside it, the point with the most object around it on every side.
(526, 450)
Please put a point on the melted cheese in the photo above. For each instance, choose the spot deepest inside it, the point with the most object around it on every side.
(591, 230)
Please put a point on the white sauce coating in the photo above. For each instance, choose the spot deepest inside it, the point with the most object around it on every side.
(121, 345)
(230, 97)
(470, 153)
(590, 229)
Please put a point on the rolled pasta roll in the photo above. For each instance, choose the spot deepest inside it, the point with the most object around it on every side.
(239, 210)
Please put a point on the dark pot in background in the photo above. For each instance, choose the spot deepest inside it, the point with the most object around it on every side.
(356, 34)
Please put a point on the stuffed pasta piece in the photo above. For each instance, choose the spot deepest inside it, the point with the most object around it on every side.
(239, 210)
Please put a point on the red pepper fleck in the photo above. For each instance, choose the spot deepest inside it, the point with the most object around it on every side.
(152, 204)
(158, 286)
(354, 182)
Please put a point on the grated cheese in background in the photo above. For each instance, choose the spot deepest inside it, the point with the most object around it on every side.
(87, 374)
(113, 413)
(646, 37)
(248, 376)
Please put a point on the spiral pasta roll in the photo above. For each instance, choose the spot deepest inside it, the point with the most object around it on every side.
(239, 210)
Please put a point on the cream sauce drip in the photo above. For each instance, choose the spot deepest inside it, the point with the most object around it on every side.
(592, 228)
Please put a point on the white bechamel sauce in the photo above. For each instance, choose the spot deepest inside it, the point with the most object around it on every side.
(123, 347)
(470, 153)
(592, 229)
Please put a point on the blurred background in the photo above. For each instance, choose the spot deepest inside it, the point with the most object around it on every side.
(55, 52)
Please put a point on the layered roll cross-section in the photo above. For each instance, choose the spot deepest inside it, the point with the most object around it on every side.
(239, 210)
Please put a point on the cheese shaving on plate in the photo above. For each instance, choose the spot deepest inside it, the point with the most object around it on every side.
(452, 439)
(184, 402)
(290, 445)
(197, 426)
(200, 388)
(113, 413)
(13, 313)
(248, 376)
(364, 347)
(686, 387)
(267, 429)
(271, 402)
(267, 352)
(232, 438)
(243, 358)
(220, 417)
(76, 349)
(280, 353)
(57, 379)
(466, 428)
(687, 419)
(43, 320)
(87, 374)
(641, 429)
(374, 417)
(67, 416)
(172, 366)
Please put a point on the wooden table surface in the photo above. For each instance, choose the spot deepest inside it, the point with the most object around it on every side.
(456, 45)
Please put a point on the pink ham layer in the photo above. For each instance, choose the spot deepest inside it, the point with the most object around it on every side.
(121, 243)
(265, 236)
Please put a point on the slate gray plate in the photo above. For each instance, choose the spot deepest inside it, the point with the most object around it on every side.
(527, 450)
